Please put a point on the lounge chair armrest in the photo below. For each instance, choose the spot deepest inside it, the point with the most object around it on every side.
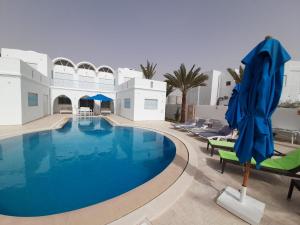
(278, 153)
(218, 138)
(231, 139)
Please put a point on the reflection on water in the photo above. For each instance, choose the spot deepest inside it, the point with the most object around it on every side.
(85, 162)
(67, 128)
(1, 152)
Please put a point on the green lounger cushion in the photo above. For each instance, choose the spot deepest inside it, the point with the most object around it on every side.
(231, 156)
(225, 144)
(288, 162)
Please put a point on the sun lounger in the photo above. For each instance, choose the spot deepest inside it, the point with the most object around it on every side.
(224, 133)
(188, 124)
(105, 111)
(199, 124)
(210, 126)
(226, 145)
(293, 134)
(215, 124)
(287, 165)
(65, 109)
(85, 111)
(294, 183)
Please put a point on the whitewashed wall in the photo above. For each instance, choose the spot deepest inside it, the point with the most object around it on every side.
(120, 103)
(291, 82)
(138, 90)
(41, 62)
(226, 90)
(10, 98)
(205, 95)
(69, 77)
(17, 78)
(30, 113)
(285, 118)
(74, 95)
(125, 74)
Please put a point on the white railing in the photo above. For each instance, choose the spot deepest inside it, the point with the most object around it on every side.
(59, 82)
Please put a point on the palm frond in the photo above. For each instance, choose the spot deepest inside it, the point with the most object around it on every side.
(184, 80)
(170, 89)
(236, 76)
(148, 70)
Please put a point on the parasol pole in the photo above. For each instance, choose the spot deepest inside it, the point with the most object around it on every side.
(245, 181)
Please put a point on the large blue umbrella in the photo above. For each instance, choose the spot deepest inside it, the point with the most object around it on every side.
(234, 114)
(99, 97)
(259, 96)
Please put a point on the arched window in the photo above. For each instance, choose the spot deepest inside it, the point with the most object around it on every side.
(63, 62)
(105, 69)
(86, 66)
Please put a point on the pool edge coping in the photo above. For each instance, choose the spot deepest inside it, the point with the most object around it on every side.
(153, 207)
(167, 198)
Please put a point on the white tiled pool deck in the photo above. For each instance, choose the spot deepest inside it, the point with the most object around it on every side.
(197, 205)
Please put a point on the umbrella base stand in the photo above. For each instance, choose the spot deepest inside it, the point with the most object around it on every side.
(250, 210)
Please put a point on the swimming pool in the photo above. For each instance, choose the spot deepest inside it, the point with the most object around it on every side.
(85, 162)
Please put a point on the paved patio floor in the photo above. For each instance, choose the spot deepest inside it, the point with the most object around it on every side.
(197, 205)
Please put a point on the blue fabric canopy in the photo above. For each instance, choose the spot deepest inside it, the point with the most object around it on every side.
(99, 97)
(259, 95)
(234, 114)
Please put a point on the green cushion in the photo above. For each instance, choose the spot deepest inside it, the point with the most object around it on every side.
(231, 156)
(226, 144)
(288, 162)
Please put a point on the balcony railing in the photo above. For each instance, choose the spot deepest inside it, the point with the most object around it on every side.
(59, 82)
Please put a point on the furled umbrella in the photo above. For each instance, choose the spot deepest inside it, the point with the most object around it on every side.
(259, 96)
(233, 114)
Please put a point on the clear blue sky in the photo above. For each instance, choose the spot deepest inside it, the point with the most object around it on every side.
(213, 34)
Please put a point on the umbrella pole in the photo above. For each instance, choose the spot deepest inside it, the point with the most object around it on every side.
(245, 181)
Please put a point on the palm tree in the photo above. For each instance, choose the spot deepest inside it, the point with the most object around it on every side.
(148, 70)
(170, 89)
(236, 76)
(185, 80)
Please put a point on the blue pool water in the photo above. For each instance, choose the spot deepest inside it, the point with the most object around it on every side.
(84, 163)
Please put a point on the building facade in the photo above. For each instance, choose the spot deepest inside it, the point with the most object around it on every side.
(32, 86)
(206, 95)
(291, 82)
(220, 85)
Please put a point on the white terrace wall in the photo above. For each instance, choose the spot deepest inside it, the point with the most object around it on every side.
(16, 81)
(11, 109)
(285, 118)
(137, 93)
(40, 62)
(34, 82)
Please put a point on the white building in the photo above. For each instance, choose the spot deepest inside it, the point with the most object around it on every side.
(141, 98)
(219, 87)
(291, 82)
(206, 95)
(32, 86)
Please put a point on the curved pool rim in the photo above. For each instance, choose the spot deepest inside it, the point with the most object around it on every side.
(120, 206)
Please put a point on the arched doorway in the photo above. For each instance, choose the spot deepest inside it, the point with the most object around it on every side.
(107, 106)
(86, 103)
(62, 104)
